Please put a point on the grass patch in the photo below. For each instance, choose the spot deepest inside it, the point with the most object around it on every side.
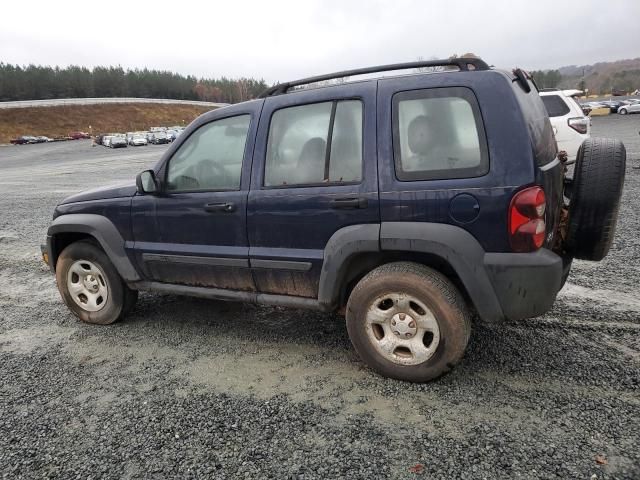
(126, 117)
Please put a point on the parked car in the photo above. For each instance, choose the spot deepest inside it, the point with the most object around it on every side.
(138, 139)
(171, 135)
(78, 135)
(633, 106)
(612, 104)
(118, 141)
(23, 140)
(159, 137)
(106, 140)
(405, 202)
(570, 125)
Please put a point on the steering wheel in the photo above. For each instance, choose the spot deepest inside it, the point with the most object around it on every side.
(210, 174)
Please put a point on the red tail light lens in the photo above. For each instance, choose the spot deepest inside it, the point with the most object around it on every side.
(527, 228)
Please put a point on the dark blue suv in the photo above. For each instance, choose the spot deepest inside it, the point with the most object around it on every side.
(409, 203)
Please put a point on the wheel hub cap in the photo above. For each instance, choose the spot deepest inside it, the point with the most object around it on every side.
(403, 325)
(402, 328)
(87, 285)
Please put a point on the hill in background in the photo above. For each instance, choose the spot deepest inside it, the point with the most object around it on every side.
(599, 78)
(59, 121)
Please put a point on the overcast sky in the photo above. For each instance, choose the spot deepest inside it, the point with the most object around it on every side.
(282, 40)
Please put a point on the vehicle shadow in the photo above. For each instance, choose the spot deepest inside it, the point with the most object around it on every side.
(534, 352)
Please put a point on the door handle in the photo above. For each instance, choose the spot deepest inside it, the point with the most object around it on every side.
(350, 202)
(227, 207)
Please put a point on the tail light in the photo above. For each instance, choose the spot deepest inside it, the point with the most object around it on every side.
(527, 228)
(579, 124)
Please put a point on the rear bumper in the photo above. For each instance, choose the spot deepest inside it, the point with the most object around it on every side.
(525, 284)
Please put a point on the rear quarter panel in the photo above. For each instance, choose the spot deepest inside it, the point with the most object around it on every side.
(511, 161)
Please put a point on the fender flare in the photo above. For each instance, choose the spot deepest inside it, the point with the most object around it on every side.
(458, 248)
(344, 244)
(100, 228)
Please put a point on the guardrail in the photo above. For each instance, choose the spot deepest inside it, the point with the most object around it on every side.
(59, 102)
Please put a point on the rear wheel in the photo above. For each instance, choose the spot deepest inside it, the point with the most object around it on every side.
(91, 286)
(407, 321)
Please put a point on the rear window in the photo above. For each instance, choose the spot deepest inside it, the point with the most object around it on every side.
(556, 106)
(537, 120)
(438, 134)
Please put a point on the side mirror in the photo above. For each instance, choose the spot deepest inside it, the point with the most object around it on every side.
(146, 182)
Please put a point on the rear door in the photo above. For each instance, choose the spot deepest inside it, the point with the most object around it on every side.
(314, 172)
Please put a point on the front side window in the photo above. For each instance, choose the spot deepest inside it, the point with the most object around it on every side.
(315, 144)
(211, 158)
(438, 134)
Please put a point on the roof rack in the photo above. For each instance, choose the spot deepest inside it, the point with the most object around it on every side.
(463, 63)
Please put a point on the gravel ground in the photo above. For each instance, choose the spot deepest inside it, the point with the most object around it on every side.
(187, 388)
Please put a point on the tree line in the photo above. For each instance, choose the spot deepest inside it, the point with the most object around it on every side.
(547, 79)
(36, 82)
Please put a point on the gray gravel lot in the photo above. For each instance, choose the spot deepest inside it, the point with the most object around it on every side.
(187, 388)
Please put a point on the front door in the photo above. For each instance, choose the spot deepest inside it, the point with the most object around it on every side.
(194, 232)
(314, 172)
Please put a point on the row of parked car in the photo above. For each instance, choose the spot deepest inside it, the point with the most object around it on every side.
(156, 135)
(30, 139)
(623, 107)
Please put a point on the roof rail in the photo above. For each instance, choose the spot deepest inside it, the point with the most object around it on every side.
(463, 63)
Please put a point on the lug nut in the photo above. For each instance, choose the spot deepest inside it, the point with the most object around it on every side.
(402, 316)
(393, 322)
(412, 324)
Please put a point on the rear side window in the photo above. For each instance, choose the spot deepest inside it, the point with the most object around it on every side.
(556, 106)
(315, 144)
(438, 134)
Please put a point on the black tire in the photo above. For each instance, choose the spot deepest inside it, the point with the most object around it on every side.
(120, 299)
(432, 289)
(595, 198)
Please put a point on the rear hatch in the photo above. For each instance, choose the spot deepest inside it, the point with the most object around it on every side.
(549, 171)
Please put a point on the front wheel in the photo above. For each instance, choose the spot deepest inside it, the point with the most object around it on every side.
(91, 286)
(408, 322)
(622, 111)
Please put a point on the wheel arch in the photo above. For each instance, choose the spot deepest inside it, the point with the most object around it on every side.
(354, 251)
(67, 229)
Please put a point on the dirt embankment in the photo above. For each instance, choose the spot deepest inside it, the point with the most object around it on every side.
(59, 121)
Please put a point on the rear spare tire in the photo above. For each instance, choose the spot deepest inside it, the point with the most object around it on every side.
(595, 198)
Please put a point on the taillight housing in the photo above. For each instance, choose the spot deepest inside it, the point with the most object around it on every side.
(527, 227)
(579, 124)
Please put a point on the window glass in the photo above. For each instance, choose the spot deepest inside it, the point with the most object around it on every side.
(438, 134)
(345, 164)
(297, 145)
(556, 107)
(211, 158)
